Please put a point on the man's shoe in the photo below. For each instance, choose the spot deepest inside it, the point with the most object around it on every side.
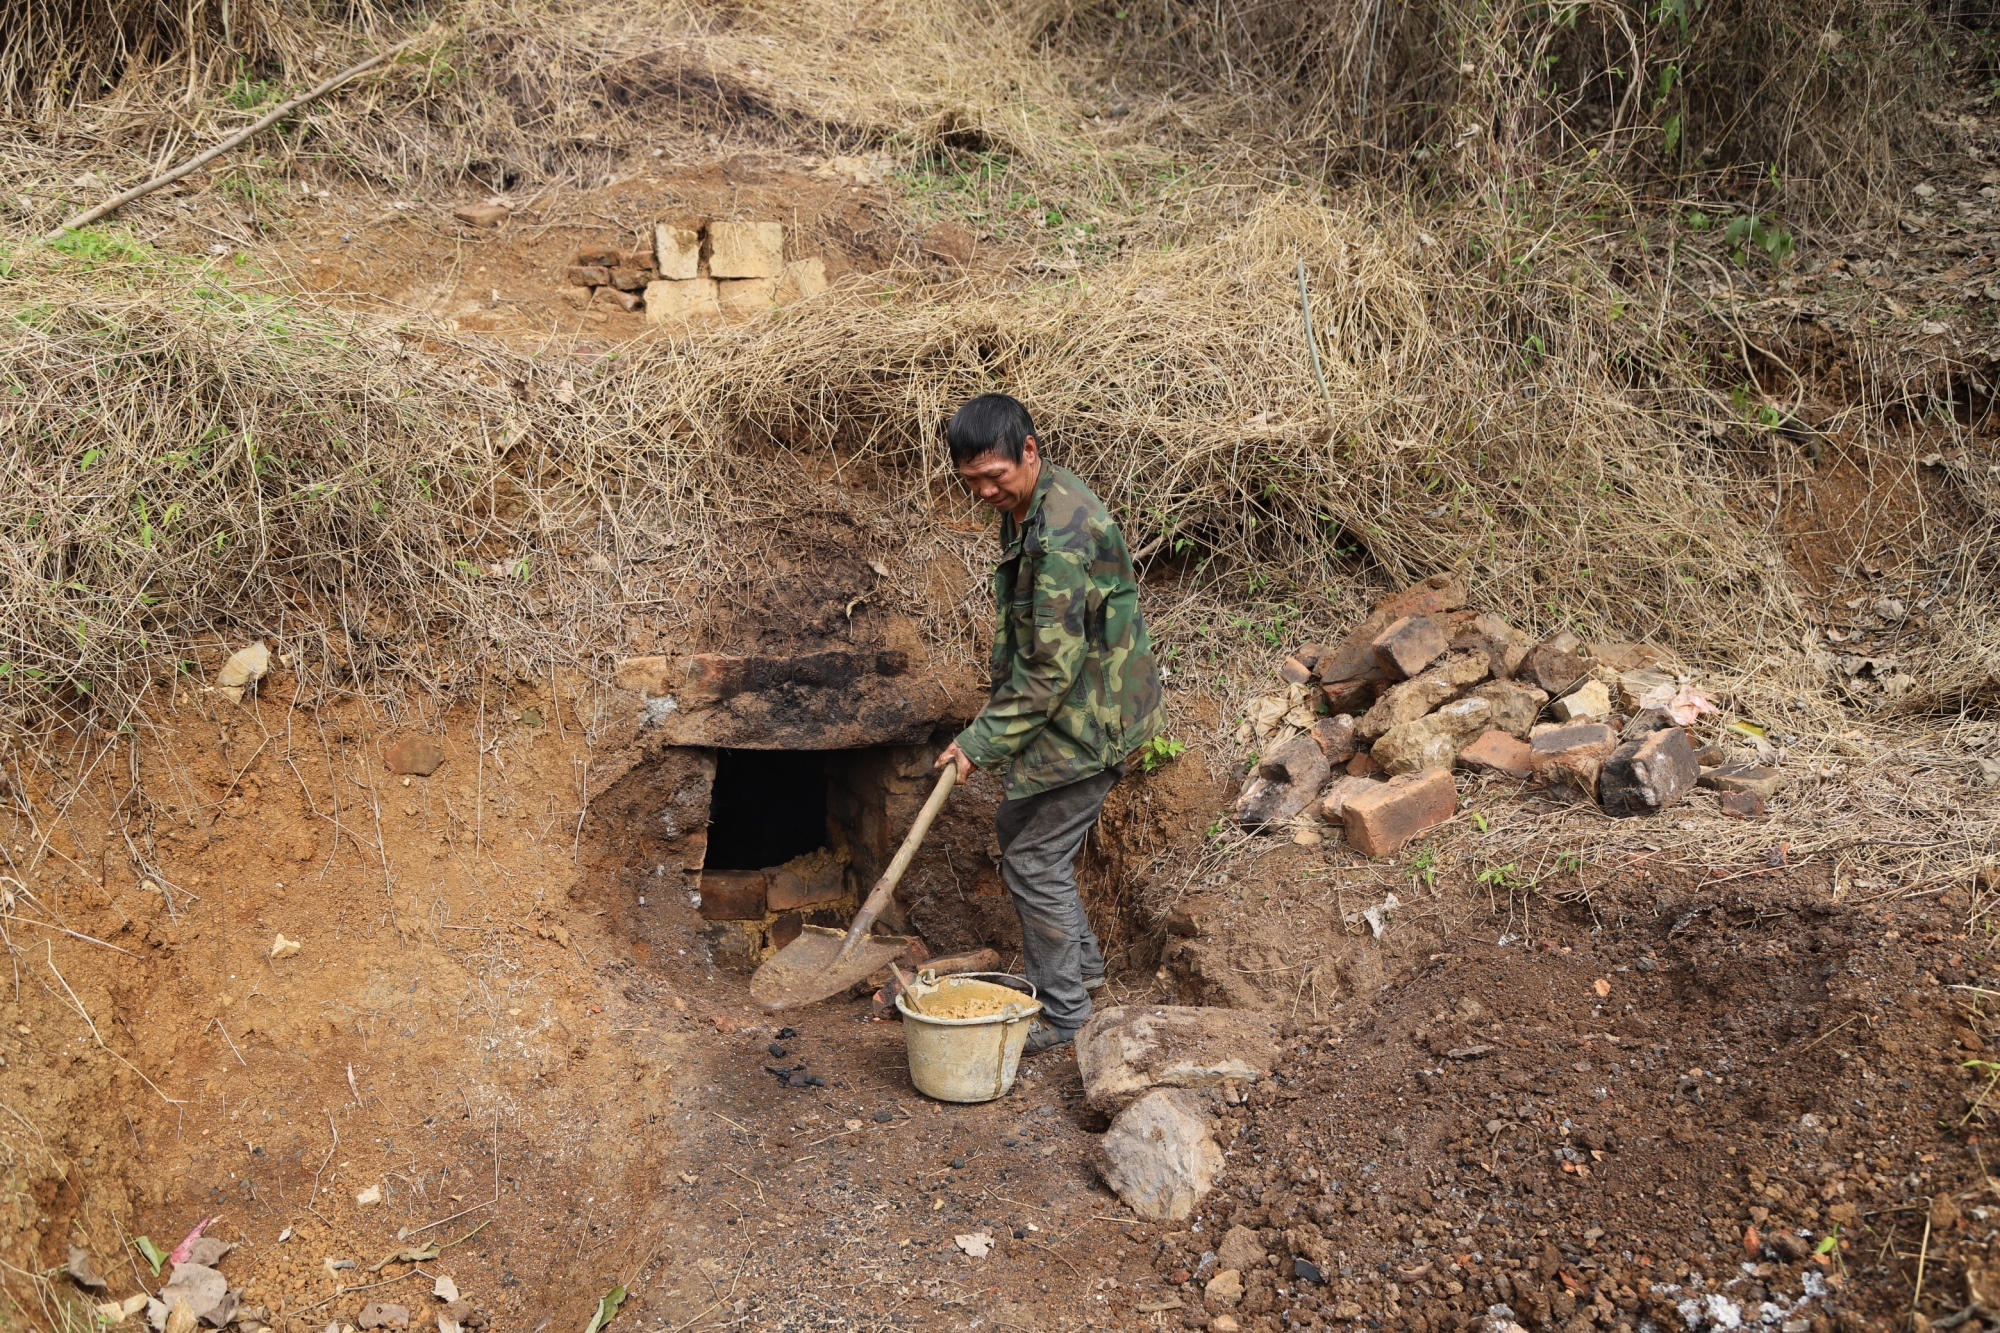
(1043, 1036)
(1094, 983)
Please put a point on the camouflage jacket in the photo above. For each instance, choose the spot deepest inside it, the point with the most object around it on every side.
(1075, 686)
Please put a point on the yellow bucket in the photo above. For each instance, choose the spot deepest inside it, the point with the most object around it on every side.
(965, 1042)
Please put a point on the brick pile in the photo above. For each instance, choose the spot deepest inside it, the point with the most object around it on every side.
(1367, 733)
(694, 275)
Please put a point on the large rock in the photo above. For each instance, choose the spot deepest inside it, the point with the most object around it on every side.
(1284, 783)
(1553, 664)
(1433, 741)
(1504, 645)
(1408, 646)
(1647, 775)
(1572, 756)
(1354, 657)
(745, 249)
(1421, 693)
(1126, 1051)
(1159, 1155)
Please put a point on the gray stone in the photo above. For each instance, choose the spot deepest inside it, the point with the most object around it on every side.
(1647, 775)
(1284, 783)
(1516, 705)
(1159, 1156)
(1125, 1051)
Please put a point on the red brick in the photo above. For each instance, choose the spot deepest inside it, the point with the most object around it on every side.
(786, 929)
(1408, 646)
(1354, 659)
(418, 755)
(1381, 821)
(1296, 669)
(733, 895)
(1363, 765)
(587, 275)
(1497, 752)
(605, 255)
(632, 279)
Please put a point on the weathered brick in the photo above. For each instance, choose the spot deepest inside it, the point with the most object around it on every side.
(632, 279)
(676, 252)
(418, 756)
(789, 889)
(1497, 752)
(1296, 669)
(1765, 782)
(1645, 776)
(1333, 806)
(1637, 683)
(1348, 696)
(1739, 804)
(1285, 782)
(1354, 658)
(629, 302)
(743, 297)
(802, 280)
(1644, 723)
(482, 215)
(587, 275)
(1381, 821)
(1408, 645)
(1336, 737)
(1411, 699)
(689, 302)
(1552, 667)
(1362, 765)
(605, 256)
(733, 895)
(1505, 645)
(745, 249)
(1571, 756)
(1586, 703)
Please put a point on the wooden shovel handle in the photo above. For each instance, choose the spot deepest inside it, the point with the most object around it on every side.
(878, 897)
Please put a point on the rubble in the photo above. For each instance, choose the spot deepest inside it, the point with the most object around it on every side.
(1424, 685)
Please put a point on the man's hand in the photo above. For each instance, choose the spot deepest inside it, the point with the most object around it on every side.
(954, 754)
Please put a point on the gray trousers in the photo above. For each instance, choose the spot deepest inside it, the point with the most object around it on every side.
(1040, 836)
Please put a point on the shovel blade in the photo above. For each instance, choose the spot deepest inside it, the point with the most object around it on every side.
(810, 967)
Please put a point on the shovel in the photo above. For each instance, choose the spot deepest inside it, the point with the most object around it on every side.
(823, 962)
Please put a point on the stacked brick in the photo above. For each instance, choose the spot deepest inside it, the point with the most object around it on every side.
(1367, 733)
(694, 275)
(753, 913)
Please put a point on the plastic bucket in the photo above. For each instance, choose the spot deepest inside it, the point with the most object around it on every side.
(968, 1047)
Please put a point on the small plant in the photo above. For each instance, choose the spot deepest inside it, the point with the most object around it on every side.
(1479, 820)
(1751, 231)
(1160, 750)
(1501, 877)
(1424, 865)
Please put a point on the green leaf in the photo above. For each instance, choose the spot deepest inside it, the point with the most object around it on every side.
(607, 1306)
(153, 1253)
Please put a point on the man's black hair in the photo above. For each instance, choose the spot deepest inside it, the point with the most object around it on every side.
(992, 423)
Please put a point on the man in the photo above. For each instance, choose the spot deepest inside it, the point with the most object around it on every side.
(1075, 690)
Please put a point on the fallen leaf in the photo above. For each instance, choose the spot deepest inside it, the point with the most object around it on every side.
(284, 948)
(607, 1306)
(381, 1314)
(881, 570)
(81, 1273)
(409, 1254)
(978, 1244)
(154, 1255)
(201, 1287)
(185, 1250)
(1602, 986)
(208, 1250)
(445, 1289)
